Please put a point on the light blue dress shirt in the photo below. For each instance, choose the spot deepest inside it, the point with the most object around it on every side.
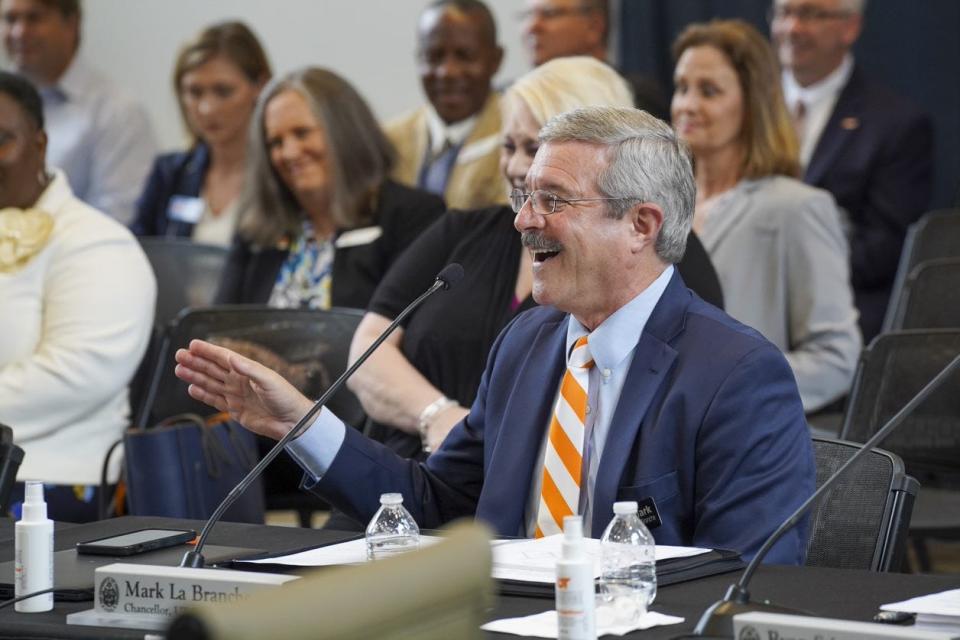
(100, 138)
(611, 345)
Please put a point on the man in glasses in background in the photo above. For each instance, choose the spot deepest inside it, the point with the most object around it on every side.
(559, 28)
(869, 147)
(624, 385)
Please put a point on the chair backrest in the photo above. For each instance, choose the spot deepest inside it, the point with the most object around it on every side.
(187, 272)
(308, 347)
(931, 296)
(861, 523)
(892, 370)
(935, 235)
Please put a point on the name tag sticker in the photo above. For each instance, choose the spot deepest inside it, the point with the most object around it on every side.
(185, 209)
(357, 237)
(647, 510)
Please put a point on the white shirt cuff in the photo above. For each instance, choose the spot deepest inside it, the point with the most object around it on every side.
(315, 448)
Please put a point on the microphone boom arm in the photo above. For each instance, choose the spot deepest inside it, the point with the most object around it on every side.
(194, 558)
(717, 620)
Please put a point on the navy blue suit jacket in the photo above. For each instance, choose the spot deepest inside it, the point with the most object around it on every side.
(180, 173)
(876, 157)
(709, 426)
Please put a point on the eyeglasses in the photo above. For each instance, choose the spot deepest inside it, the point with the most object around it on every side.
(550, 13)
(545, 203)
(805, 13)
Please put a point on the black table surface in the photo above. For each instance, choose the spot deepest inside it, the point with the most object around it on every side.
(832, 593)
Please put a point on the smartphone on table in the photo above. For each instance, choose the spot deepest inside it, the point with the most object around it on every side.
(128, 544)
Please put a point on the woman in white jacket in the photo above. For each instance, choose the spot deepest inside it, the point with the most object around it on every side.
(77, 307)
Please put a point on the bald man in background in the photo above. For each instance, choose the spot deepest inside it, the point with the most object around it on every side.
(451, 146)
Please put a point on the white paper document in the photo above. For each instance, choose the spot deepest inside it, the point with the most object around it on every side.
(522, 560)
(535, 560)
(352, 552)
(936, 611)
(544, 625)
(945, 603)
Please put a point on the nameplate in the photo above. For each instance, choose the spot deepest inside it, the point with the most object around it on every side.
(778, 626)
(147, 596)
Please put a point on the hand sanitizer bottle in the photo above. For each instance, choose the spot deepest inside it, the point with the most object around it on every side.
(33, 551)
(576, 602)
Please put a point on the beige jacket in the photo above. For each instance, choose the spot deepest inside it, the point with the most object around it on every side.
(475, 180)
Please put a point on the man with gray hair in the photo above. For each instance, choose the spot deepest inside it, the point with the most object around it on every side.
(623, 385)
(870, 148)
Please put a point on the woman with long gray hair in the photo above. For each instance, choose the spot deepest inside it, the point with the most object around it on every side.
(320, 223)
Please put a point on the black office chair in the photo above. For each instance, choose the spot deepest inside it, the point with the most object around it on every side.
(930, 298)
(862, 522)
(894, 368)
(187, 274)
(935, 235)
(308, 347)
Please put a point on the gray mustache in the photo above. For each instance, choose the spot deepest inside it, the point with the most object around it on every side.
(536, 242)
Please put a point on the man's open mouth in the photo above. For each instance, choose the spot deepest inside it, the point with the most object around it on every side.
(543, 256)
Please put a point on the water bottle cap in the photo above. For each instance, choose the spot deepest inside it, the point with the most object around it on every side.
(391, 498)
(625, 508)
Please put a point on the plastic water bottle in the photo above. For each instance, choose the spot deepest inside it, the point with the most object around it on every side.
(392, 530)
(628, 580)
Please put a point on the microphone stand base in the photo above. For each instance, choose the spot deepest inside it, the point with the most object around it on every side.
(717, 620)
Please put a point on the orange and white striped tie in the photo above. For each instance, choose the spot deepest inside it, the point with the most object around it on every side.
(563, 461)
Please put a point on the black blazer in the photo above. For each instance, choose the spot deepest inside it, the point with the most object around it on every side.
(402, 213)
(180, 173)
(876, 157)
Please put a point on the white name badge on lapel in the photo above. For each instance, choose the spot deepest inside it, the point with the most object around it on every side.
(357, 237)
(185, 209)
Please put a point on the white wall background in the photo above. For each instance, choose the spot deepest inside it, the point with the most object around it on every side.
(369, 42)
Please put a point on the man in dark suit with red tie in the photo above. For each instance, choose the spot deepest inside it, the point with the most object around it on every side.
(872, 149)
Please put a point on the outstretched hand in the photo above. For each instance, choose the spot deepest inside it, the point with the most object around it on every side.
(257, 397)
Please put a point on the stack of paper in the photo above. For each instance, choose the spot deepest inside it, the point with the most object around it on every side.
(936, 612)
(536, 560)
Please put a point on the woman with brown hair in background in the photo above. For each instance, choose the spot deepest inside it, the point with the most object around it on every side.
(194, 194)
(777, 244)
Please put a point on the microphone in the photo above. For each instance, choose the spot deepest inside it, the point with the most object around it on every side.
(447, 277)
(717, 620)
